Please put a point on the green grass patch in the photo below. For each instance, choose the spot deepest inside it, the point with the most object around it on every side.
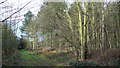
(47, 60)
(43, 58)
(28, 57)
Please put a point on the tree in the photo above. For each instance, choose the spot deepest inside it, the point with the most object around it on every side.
(26, 28)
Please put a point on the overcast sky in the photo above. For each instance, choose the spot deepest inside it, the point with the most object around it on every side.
(14, 5)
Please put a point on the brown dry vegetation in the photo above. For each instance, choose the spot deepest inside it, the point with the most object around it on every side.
(108, 58)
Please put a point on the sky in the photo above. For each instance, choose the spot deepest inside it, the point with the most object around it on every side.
(14, 5)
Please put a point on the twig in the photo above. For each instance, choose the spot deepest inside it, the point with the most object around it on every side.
(15, 12)
(3, 1)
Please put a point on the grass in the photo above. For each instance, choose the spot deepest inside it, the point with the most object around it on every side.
(28, 58)
(56, 59)
(43, 58)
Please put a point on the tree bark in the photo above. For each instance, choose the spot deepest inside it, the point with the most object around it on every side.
(81, 34)
(103, 26)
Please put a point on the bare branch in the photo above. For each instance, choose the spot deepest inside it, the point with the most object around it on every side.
(15, 12)
(3, 2)
(15, 9)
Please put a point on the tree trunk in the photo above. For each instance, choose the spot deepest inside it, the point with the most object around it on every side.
(85, 18)
(73, 37)
(28, 40)
(103, 26)
(81, 35)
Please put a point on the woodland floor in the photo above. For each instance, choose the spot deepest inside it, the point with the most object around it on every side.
(32, 59)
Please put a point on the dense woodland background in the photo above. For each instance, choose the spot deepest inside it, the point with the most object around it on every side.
(68, 34)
